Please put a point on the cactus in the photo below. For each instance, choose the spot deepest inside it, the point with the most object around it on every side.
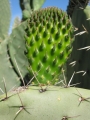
(5, 18)
(73, 3)
(27, 6)
(80, 57)
(9, 60)
(17, 48)
(52, 104)
(6, 69)
(17, 21)
(37, 50)
(48, 40)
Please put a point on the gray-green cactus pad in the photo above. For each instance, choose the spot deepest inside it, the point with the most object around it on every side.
(53, 104)
(6, 69)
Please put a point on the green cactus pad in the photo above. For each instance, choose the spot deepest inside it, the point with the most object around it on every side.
(27, 6)
(5, 15)
(48, 40)
(16, 48)
(53, 104)
(6, 69)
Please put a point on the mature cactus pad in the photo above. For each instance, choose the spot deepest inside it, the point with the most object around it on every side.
(81, 57)
(53, 104)
(48, 40)
(73, 3)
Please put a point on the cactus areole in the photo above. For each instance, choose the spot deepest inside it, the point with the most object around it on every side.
(48, 41)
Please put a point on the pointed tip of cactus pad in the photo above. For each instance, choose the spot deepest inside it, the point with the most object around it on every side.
(48, 40)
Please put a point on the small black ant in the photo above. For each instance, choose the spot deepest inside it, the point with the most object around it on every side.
(43, 89)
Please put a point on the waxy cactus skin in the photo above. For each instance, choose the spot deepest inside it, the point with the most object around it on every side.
(55, 103)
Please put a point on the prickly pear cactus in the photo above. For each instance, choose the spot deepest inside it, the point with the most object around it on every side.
(7, 72)
(53, 104)
(48, 40)
(45, 49)
(80, 57)
(5, 15)
(73, 3)
(27, 6)
(16, 46)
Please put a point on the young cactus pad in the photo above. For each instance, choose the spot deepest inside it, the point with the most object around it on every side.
(48, 40)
